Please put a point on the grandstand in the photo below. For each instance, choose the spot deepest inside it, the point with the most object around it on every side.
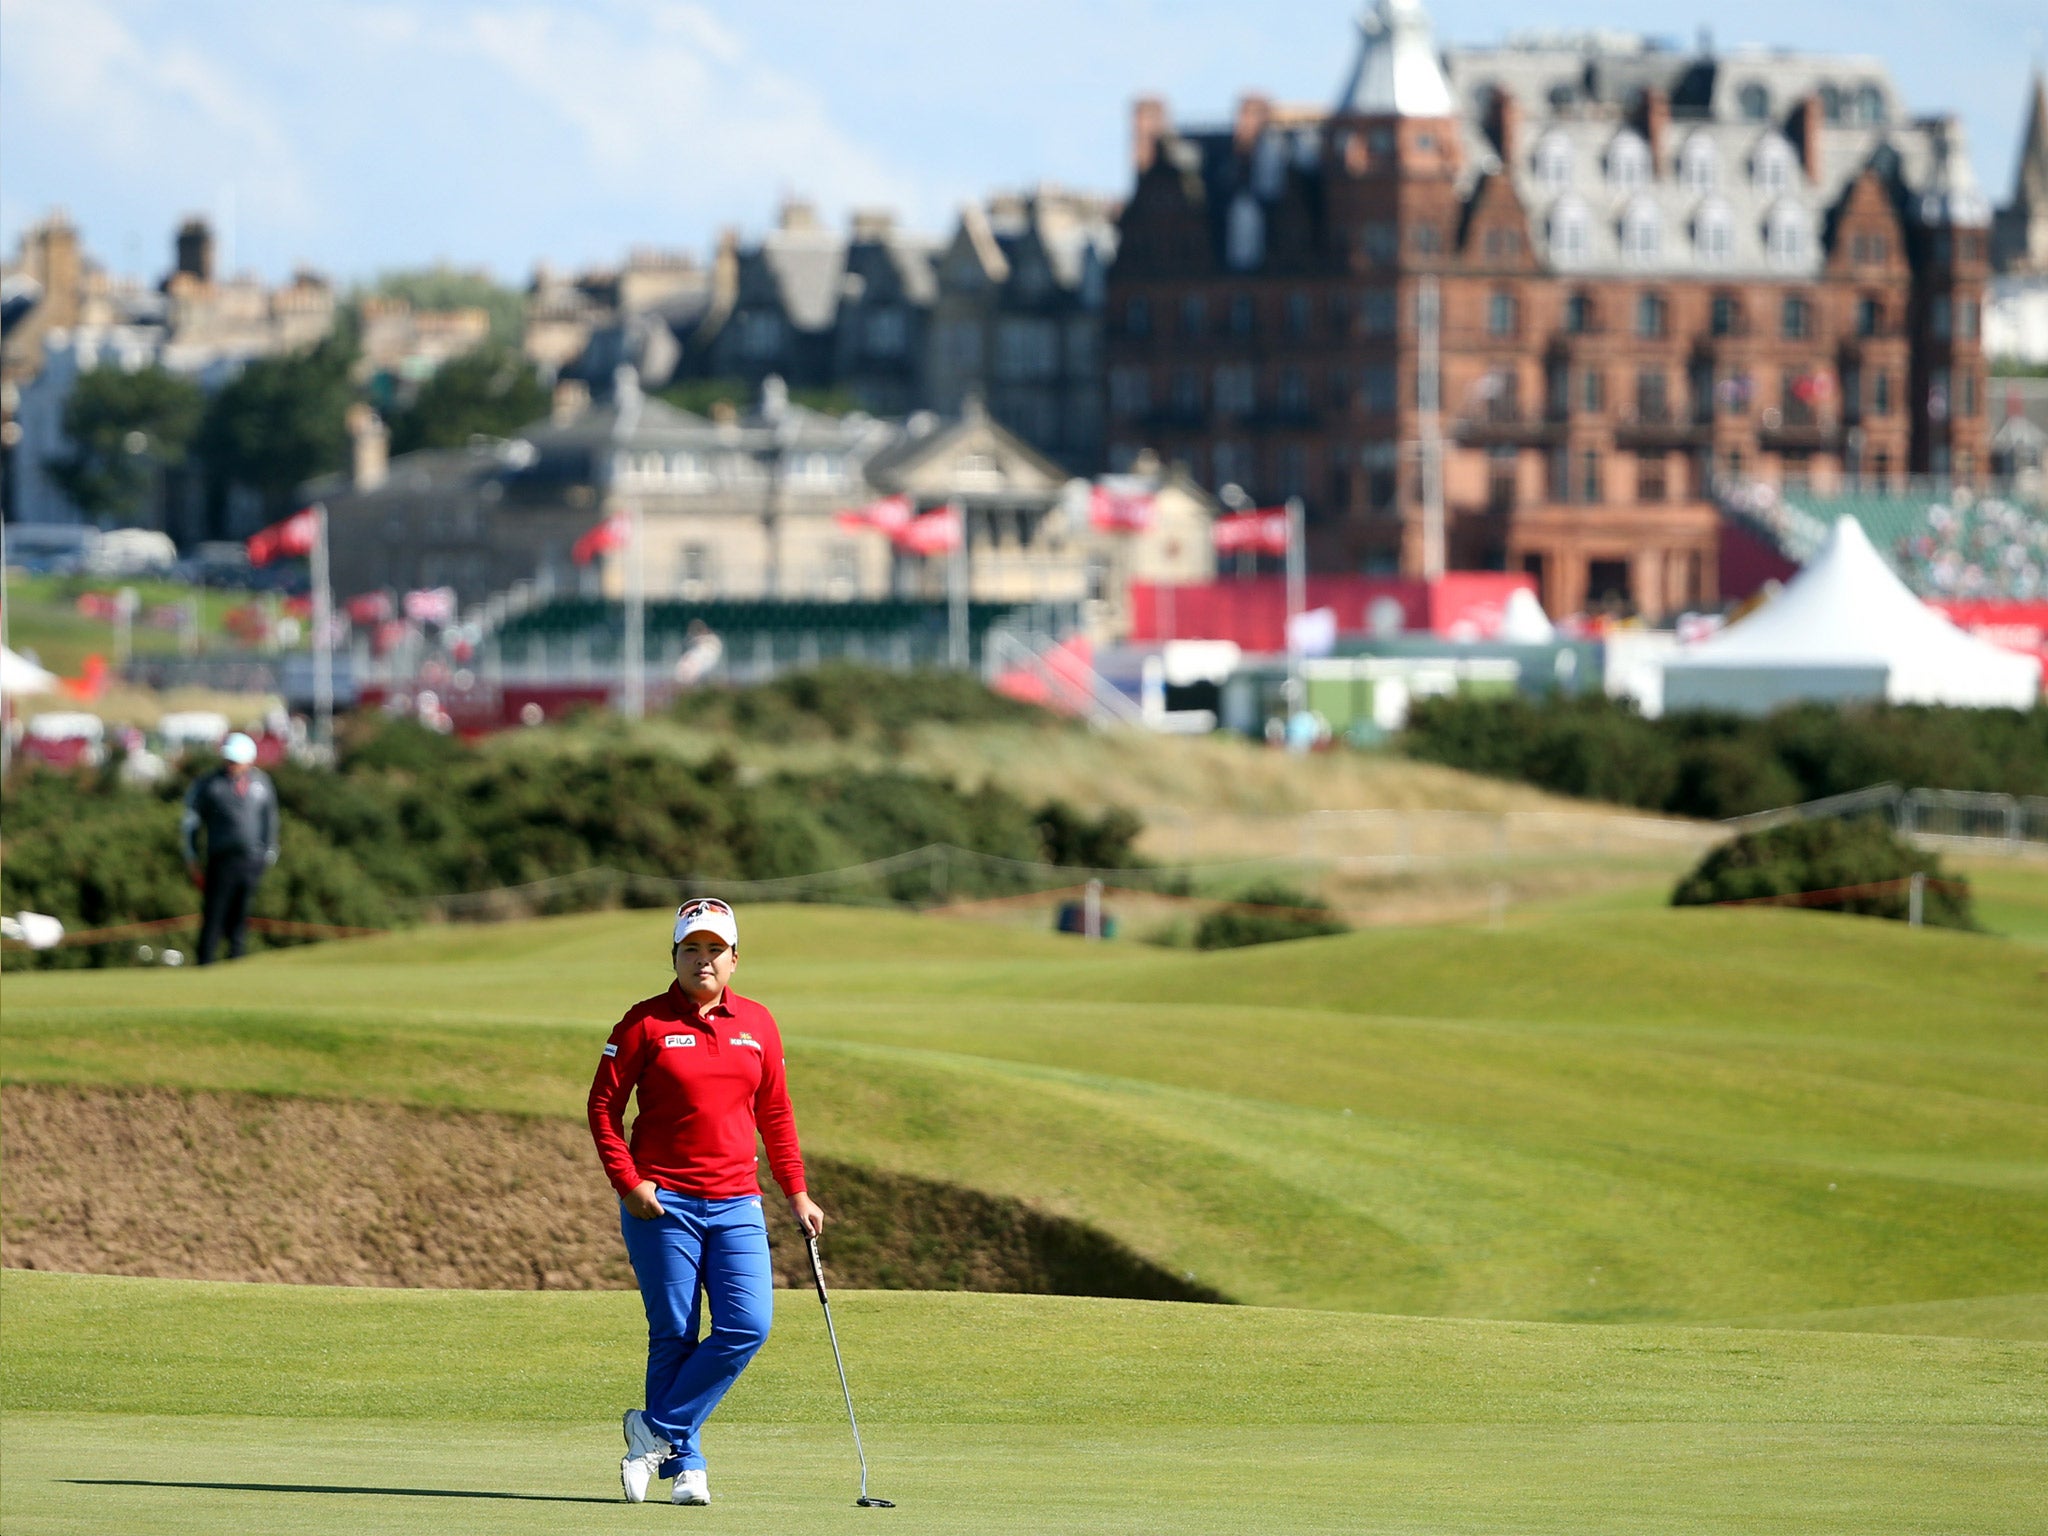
(1944, 542)
(568, 635)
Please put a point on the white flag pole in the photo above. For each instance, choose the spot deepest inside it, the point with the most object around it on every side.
(956, 592)
(323, 639)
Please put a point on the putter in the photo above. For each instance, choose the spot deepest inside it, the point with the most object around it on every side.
(818, 1277)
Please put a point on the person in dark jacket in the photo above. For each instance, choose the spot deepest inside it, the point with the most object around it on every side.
(235, 807)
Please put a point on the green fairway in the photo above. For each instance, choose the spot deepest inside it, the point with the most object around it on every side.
(1657, 1115)
(255, 1409)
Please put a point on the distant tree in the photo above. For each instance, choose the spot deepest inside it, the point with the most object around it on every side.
(699, 396)
(124, 429)
(492, 391)
(446, 287)
(281, 422)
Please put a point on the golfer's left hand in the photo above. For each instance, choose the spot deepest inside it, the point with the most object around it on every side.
(808, 1217)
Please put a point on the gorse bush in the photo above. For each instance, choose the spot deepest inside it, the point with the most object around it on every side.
(410, 815)
(1716, 765)
(1829, 854)
(841, 701)
(1288, 914)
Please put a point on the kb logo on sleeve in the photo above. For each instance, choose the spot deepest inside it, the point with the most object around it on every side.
(674, 1040)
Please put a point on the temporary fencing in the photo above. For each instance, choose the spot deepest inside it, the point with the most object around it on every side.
(278, 926)
(1968, 820)
(1914, 886)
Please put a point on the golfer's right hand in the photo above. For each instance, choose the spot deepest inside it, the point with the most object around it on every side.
(196, 875)
(643, 1202)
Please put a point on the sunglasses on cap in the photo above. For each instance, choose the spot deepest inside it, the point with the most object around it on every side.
(706, 914)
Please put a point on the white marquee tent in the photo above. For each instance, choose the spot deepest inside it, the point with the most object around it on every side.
(1846, 628)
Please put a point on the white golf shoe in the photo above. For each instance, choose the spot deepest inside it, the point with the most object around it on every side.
(691, 1487)
(645, 1452)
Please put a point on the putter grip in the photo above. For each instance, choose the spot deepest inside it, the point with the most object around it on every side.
(817, 1267)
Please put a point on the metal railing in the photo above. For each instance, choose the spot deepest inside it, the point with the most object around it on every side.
(1982, 820)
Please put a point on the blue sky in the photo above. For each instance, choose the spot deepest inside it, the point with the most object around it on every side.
(359, 135)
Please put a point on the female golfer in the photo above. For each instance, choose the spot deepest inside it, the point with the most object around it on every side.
(708, 1067)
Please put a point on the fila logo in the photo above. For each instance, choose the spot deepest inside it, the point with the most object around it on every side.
(679, 1040)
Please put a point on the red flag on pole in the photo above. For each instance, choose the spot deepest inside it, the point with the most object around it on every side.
(890, 515)
(1119, 511)
(615, 532)
(294, 536)
(1262, 532)
(935, 533)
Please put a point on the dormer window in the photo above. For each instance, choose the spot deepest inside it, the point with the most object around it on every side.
(1869, 105)
(1770, 168)
(1269, 164)
(1628, 162)
(1553, 162)
(1699, 166)
(1831, 103)
(1570, 232)
(1754, 102)
(1246, 238)
(1713, 233)
(1786, 235)
(1641, 233)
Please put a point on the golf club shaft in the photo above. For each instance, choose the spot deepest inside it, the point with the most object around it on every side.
(818, 1275)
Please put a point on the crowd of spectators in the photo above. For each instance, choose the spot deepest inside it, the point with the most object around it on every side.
(1986, 548)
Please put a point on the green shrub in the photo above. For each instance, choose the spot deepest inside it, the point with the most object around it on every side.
(841, 701)
(1291, 914)
(1828, 854)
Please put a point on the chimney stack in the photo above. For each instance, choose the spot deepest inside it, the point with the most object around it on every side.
(1806, 136)
(1504, 123)
(194, 250)
(1656, 126)
(1254, 112)
(370, 448)
(1148, 127)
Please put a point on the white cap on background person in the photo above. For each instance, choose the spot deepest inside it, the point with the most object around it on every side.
(706, 914)
(238, 748)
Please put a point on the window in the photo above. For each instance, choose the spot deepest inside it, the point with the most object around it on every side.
(1785, 235)
(1831, 103)
(1245, 237)
(1377, 384)
(1591, 389)
(1501, 315)
(1570, 232)
(887, 332)
(1940, 317)
(1026, 348)
(1713, 233)
(1652, 405)
(1187, 392)
(1298, 314)
(760, 333)
(1650, 484)
(1293, 393)
(1869, 105)
(1796, 322)
(1554, 162)
(1628, 162)
(1560, 475)
(1236, 389)
(1130, 391)
(1641, 233)
(1881, 394)
(1754, 102)
(1699, 167)
(1852, 393)
(1557, 389)
(693, 569)
(1503, 244)
(1502, 390)
(1578, 314)
(1700, 384)
(1376, 313)
(1723, 314)
(1137, 318)
(1340, 389)
(1379, 242)
(1770, 168)
(1869, 317)
(1651, 315)
(1194, 316)
(1937, 394)
(1589, 477)
(1243, 317)
(1428, 240)
(1966, 319)
(1502, 474)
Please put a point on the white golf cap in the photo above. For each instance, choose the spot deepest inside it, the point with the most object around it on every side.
(238, 748)
(706, 914)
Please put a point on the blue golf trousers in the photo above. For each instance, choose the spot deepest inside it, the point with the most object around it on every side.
(717, 1250)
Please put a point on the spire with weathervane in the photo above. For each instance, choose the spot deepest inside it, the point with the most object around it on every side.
(1397, 72)
(2020, 244)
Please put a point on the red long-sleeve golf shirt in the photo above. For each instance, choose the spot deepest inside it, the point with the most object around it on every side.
(707, 1081)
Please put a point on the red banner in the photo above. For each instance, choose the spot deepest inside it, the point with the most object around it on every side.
(1263, 532)
(890, 515)
(1120, 511)
(296, 535)
(935, 533)
(615, 532)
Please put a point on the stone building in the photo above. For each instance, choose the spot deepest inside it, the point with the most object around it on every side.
(2016, 315)
(1650, 272)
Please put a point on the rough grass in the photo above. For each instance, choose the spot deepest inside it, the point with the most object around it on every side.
(1650, 1115)
(255, 1409)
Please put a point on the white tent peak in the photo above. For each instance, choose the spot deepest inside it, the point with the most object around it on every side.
(1848, 612)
